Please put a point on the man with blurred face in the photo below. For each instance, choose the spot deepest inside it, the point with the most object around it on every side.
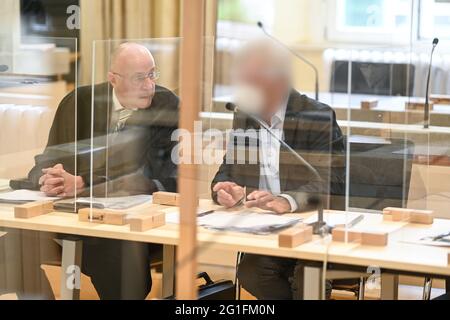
(132, 125)
(277, 182)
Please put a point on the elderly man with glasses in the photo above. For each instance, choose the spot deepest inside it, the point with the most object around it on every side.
(133, 121)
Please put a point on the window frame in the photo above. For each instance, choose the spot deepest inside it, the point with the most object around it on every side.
(365, 37)
(420, 32)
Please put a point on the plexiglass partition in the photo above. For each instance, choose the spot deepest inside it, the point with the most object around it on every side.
(134, 113)
(135, 142)
(38, 147)
(396, 152)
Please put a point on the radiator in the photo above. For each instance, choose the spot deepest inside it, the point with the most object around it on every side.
(24, 133)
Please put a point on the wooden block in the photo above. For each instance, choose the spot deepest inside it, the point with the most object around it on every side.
(417, 105)
(116, 218)
(409, 215)
(352, 236)
(103, 216)
(33, 209)
(401, 215)
(84, 215)
(144, 223)
(440, 99)
(397, 214)
(369, 104)
(422, 216)
(166, 199)
(379, 239)
(294, 237)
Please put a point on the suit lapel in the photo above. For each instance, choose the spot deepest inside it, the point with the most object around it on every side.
(290, 129)
(103, 108)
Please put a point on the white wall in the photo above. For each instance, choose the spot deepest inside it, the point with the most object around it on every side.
(300, 21)
(9, 29)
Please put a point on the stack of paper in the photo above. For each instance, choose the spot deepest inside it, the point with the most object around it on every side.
(24, 196)
(246, 222)
(115, 203)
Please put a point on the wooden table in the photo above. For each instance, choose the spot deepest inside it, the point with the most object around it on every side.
(398, 257)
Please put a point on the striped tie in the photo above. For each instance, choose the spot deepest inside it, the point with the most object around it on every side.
(124, 115)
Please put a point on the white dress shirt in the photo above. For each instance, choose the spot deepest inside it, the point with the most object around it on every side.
(269, 153)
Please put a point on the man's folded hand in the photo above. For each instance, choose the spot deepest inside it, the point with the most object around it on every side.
(57, 182)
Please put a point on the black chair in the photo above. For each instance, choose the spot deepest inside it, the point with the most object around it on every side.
(380, 174)
(373, 78)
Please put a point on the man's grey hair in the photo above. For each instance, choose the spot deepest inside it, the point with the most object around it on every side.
(276, 58)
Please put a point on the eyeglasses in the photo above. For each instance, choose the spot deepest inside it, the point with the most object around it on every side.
(139, 79)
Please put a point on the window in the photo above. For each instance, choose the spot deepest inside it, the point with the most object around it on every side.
(434, 19)
(384, 20)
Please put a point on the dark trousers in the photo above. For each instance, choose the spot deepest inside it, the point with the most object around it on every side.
(271, 278)
(119, 270)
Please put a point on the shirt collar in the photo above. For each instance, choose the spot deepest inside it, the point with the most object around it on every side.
(279, 117)
(116, 103)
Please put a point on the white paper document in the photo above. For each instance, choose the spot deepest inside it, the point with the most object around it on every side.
(434, 238)
(116, 203)
(246, 222)
(23, 196)
(173, 217)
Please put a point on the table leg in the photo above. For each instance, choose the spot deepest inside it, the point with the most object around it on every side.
(428, 286)
(71, 269)
(312, 283)
(389, 286)
(168, 275)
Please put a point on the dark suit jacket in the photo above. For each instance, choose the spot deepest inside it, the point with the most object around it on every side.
(310, 128)
(128, 163)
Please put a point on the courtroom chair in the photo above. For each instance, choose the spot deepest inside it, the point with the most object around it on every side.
(373, 78)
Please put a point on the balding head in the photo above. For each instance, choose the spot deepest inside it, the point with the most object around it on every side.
(131, 70)
(128, 55)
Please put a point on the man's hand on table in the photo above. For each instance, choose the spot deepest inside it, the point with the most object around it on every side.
(229, 194)
(267, 201)
(56, 182)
